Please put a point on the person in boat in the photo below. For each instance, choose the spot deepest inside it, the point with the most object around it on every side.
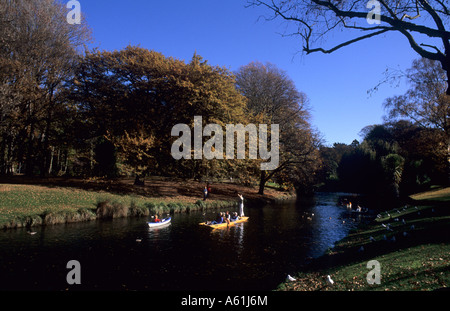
(234, 217)
(157, 219)
(241, 205)
(227, 217)
(219, 219)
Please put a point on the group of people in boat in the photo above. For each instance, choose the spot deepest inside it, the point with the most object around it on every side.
(224, 217)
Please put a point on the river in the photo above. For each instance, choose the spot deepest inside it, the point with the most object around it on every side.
(124, 254)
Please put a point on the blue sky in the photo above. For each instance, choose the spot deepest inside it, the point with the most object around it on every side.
(228, 34)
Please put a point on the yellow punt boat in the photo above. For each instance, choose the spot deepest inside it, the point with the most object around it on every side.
(224, 224)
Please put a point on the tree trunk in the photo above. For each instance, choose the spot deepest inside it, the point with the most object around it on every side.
(138, 181)
(29, 161)
(50, 166)
(262, 182)
(448, 161)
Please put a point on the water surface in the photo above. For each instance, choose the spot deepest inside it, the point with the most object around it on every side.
(256, 255)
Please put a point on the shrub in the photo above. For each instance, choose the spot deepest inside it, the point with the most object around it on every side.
(106, 209)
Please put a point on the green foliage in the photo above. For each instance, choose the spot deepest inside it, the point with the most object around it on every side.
(394, 159)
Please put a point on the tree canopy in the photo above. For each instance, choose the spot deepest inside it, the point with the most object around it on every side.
(273, 96)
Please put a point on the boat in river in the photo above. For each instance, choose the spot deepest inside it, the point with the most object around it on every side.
(224, 224)
(162, 223)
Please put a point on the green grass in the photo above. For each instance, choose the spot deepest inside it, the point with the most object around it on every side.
(18, 202)
(422, 267)
(418, 258)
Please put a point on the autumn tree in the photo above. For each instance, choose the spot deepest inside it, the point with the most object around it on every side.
(138, 153)
(423, 23)
(273, 97)
(425, 103)
(142, 93)
(37, 52)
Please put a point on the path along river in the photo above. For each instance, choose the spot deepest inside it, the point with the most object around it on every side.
(256, 255)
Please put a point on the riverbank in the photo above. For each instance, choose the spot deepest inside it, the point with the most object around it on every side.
(30, 202)
(411, 244)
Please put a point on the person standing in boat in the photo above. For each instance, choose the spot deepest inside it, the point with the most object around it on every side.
(241, 205)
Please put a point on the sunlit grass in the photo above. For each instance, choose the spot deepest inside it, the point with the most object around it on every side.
(20, 201)
(422, 267)
(410, 243)
(442, 195)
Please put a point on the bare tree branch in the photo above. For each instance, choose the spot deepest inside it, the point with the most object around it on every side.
(337, 47)
(316, 18)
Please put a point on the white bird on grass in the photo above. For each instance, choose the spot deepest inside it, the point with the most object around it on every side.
(290, 278)
(372, 239)
(329, 280)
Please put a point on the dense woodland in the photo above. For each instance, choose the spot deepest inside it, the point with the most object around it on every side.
(70, 111)
(66, 110)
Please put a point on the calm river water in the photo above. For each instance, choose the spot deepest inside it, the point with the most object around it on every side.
(256, 255)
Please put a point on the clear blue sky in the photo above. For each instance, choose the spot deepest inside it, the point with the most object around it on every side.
(226, 33)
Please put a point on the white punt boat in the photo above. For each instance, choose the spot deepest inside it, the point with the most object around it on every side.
(162, 223)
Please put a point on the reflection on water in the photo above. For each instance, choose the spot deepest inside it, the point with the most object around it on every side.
(125, 254)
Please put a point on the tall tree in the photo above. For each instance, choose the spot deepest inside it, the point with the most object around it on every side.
(37, 50)
(425, 103)
(273, 96)
(424, 23)
(136, 93)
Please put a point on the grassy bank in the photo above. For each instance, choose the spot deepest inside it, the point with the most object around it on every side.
(23, 204)
(411, 243)
(436, 195)
(31, 205)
